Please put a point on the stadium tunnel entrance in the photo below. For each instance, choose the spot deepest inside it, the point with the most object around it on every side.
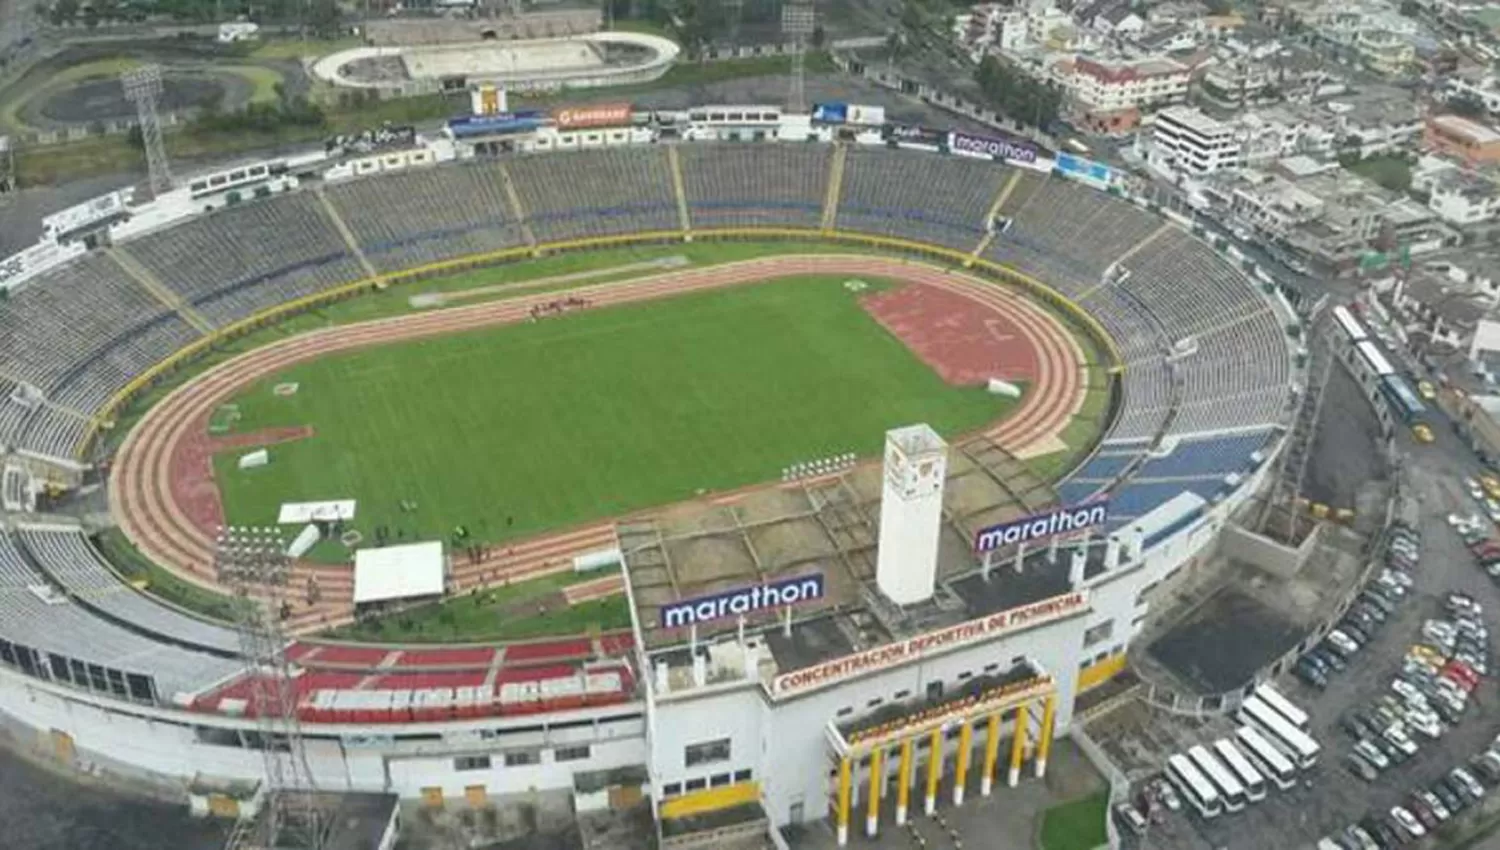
(935, 741)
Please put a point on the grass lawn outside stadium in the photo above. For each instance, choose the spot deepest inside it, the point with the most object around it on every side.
(517, 430)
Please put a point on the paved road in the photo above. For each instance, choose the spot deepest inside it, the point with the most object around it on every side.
(1333, 798)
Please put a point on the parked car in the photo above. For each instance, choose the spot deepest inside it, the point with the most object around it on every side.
(1408, 822)
(1360, 767)
(1309, 672)
(1435, 805)
(1342, 643)
(1131, 818)
(1372, 754)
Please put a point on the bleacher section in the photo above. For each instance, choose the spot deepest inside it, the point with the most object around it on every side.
(72, 644)
(1182, 280)
(1200, 465)
(69, 558)
(412, 218)
(235, 262)
(881, 188)
(735, 184)
(574, 194)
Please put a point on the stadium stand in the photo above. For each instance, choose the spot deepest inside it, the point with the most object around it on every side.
(73, 642)
(1212, 456)
(411, 218)
(880, 185)
(68, 558)
(220, 264)
(734, 184)
(573, 194)
(67, 317)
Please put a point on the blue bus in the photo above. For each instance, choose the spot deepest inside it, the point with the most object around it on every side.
(1403, 400)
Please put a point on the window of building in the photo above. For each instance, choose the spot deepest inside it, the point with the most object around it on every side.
(900, 695)
(521, 758)
(845, 711)
(874, 702)
(964, 675)
(471, 763)
(671, 789)
(991, 667)
(718, 780)
(742, 775)
(934, 690)
(571, 753)
(706, 752)
(1101, 632)
(696, 784)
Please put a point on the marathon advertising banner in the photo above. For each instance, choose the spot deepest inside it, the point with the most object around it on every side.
(1038, 527)
(586, 117)
(742, 601)
(906, 134)
(830, 113)
(1009, 149)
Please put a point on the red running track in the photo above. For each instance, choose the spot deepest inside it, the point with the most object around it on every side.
(161, 486)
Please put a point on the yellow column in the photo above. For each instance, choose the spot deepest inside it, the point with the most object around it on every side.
(843, 812)
(934, 768)
(991, 752)
(903, 777)
(961, 772)
(1018, 744)
(877, 780)
(1044, 746)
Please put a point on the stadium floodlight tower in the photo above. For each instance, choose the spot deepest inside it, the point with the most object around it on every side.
(143, 88)
(798, 19)
(911, 513)
(254, 562)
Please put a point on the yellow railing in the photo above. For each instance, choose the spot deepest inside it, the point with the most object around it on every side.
(262, 318)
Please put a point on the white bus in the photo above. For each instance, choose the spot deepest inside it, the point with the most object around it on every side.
(1282, 706)
(1230, 789)
(1244, 771)
(1199, 792)
(1302, 750)
(1269, 759)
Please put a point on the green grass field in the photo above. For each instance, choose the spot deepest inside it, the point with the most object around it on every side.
(1076, 825)
(519, 430)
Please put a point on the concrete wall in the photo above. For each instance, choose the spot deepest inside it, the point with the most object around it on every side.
(1270, 556)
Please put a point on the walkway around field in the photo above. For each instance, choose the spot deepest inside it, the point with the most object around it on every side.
(161, 488)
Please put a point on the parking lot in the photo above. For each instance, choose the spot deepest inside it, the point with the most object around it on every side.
(1330, 797)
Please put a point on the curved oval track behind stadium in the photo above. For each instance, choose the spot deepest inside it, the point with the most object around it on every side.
(146, 496)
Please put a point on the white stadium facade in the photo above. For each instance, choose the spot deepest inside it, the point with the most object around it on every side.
(784, 700)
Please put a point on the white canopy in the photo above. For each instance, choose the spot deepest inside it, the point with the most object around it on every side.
(398, 572)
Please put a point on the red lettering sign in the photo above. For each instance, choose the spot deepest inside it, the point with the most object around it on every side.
(962, 634)
(582, 117)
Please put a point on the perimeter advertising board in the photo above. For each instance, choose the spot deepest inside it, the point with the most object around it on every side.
(1039, 527)
(502, 122)
(798, 682)
(1009, 149)
(587, 117)
(1094, 173)
(742, 601)
(906, 134)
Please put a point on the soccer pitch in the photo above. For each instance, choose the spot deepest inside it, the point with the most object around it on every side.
(521, 429)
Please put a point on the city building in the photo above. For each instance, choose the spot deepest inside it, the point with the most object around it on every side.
(1462, 138)
(1108, 96)
(1193, 142)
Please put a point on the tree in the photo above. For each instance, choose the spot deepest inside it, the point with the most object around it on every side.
(323, 18)
(819, 35)
(63, 11)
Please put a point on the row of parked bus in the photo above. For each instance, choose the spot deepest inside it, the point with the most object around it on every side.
(1271, 748)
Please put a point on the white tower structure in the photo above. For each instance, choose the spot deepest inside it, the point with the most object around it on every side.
(911, 513)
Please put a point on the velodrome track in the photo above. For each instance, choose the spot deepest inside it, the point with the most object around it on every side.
(145, 494)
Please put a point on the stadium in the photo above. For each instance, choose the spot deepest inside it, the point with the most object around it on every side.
(657, 404)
